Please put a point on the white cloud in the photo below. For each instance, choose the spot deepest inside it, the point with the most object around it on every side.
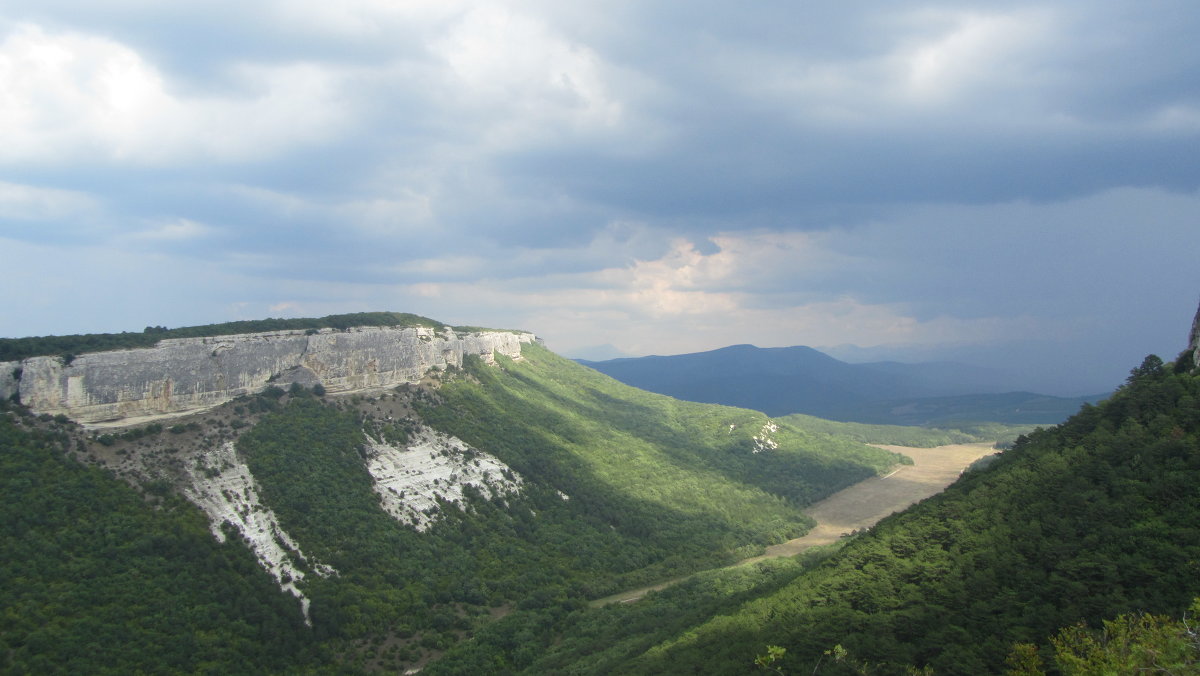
(686, 300)
(32, 203)
(178, 230)
(523, 79)
(976, 54)
(71, 96)
(359, 18)
(922, 63)
(1176, 118)
(286, 307)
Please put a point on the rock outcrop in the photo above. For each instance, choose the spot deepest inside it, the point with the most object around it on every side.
(411, 479)
(222, 486)
(1194, 340)
(183, 375)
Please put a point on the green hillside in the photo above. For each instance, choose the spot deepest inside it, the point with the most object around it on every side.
(905, 435)
(95, 578)
(1093, 519)
(687, 476)
(620, 487)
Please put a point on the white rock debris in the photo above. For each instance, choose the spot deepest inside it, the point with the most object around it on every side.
(222, 485)
(433, 465)
(763, 440)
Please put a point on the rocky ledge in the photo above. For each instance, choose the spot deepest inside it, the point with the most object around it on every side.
(184, 375)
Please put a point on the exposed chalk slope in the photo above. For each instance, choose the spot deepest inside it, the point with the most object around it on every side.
(222, 486)
(433, 466)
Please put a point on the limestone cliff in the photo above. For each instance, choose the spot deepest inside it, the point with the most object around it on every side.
(182, 375)
(1194, 340)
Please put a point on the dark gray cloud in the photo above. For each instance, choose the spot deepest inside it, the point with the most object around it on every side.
(900, 176)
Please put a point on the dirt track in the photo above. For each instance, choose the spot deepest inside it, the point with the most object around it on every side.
(864, 503)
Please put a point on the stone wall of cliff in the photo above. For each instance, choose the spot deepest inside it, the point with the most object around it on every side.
(1194, 340)
(188, 374)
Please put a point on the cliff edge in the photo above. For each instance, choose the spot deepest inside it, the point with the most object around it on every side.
(1194, 340)
(183, 375)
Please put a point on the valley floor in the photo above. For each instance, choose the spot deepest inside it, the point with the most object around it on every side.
(863, 504)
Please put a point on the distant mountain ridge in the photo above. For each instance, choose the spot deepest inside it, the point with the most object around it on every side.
(799, 379)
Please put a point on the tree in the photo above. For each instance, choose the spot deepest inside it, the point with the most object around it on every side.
(1132, 643)
(1152, 367)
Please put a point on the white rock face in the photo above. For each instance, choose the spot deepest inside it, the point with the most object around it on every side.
(223, 487)
(409, 480)
(1194, 340)
(763, 441)
(183, 375)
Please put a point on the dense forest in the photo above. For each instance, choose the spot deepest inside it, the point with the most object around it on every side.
(94, 580)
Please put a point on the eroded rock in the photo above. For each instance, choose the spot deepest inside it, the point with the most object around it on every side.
(184, 375)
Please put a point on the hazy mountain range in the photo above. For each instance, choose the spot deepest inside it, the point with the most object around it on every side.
(783, 380)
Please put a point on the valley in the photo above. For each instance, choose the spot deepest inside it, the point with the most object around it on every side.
(862, 505)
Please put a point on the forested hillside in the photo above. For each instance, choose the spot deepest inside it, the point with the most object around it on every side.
(1083, 522)
(93, 579)
(616, 487)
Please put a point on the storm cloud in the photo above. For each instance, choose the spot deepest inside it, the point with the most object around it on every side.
(1014, 183)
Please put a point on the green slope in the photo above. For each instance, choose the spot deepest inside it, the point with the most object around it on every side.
(683, 477)
(1097, 517)
(904, 435)
(93, 579)
(621, 488)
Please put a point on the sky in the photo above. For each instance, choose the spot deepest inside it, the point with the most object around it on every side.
(1011, 184)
